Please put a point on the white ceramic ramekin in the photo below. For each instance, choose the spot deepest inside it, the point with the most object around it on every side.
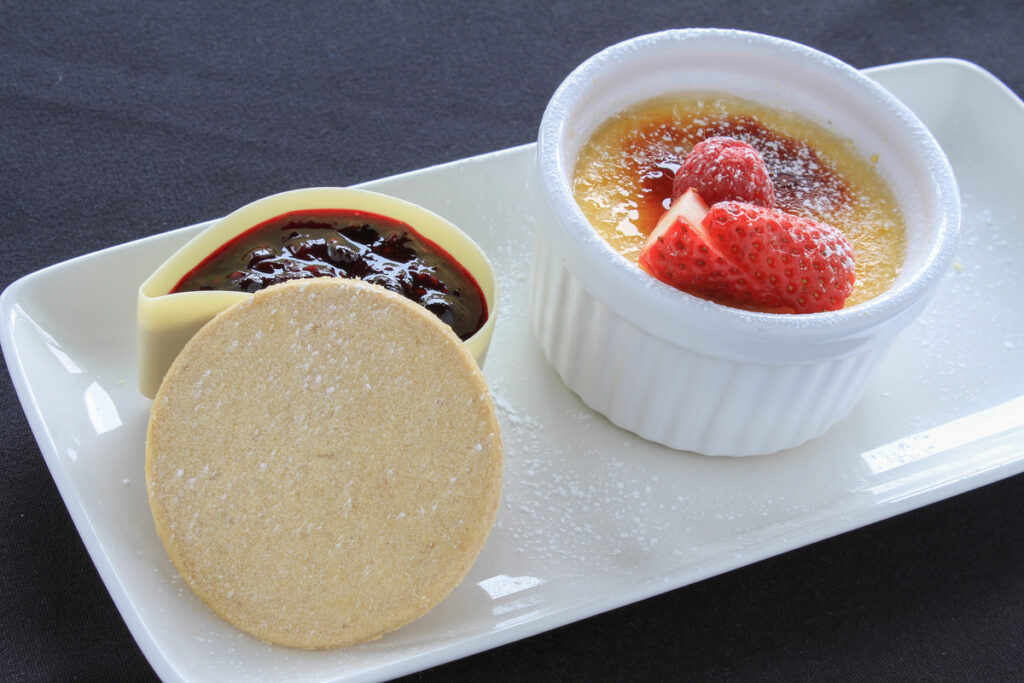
(167, 321)
(686, 372)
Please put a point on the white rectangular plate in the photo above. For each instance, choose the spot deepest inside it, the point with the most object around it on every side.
(592, 517)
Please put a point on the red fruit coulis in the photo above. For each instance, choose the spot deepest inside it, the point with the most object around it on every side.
(345, 243)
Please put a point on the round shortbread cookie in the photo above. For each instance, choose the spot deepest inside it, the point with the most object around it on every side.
(323, 463)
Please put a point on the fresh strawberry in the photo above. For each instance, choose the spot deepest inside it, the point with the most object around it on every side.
(725, 169)
(748, 256)
(807, 265)
(680, 252)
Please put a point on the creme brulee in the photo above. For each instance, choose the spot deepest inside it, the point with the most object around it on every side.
(623, 177)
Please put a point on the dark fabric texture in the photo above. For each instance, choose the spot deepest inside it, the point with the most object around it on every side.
(121, 120)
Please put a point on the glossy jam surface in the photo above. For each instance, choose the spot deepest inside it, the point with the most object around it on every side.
(623, 177)
(345, 243)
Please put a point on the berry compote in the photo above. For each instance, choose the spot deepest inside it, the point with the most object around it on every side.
(345, 243)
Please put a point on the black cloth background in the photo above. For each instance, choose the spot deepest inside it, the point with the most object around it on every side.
(120, 120)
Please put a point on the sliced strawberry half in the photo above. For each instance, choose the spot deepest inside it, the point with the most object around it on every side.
(748, 256)
(807, 265)
(680, 252)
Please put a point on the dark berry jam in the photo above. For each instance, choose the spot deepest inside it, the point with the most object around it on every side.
(345, 243)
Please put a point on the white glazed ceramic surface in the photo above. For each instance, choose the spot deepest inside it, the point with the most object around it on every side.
(591, 516)
(686, 372)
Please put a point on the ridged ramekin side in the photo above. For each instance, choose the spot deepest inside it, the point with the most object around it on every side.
(677, 397)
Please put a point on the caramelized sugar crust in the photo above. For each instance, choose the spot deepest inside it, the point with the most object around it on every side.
(623, 176)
